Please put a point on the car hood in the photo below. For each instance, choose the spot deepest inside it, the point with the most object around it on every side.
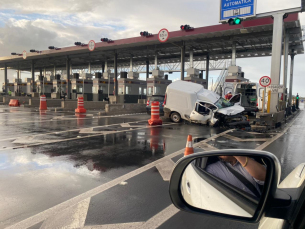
(234, 110)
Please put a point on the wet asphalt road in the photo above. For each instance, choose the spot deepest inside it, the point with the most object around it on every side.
(56, 166)
(48, 158)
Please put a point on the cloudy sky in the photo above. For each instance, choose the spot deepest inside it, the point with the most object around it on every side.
(27, 24)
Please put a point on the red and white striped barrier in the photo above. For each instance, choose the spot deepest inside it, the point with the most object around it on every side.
(155, 114)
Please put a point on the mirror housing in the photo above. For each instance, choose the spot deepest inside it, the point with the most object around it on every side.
(269, 191)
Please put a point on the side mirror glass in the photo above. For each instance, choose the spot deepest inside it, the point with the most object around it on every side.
(225, 184)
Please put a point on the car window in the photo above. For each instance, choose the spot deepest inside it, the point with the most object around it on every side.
(223, 103)
(208, 105)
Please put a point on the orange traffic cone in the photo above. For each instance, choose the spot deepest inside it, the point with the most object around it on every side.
(189, 146)
(43, 103)
(155, 114)
(80, 105)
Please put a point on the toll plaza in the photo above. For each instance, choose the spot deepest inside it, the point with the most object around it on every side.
(196, 51)
(80, 163)
(131, 88)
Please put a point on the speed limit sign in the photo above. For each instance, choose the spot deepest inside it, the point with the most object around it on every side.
(91, 45)
(265, 81)
(163, 35)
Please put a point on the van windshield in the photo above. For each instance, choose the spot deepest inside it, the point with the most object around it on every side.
(223, 103)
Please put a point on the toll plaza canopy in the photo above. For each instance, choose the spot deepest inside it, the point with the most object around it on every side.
(253, 38)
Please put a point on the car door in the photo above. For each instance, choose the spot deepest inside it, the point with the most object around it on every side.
(236, 99)
(203, 112)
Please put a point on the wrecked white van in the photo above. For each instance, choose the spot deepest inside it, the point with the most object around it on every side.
(190, 101)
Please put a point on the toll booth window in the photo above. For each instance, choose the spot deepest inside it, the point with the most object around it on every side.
(157, 90)
(128, 90)
(150, 91)
(95, 89)
(121, 90)
(79, 89)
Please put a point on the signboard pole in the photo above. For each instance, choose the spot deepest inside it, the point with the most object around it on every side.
(276, 57)
(264, 96)
(269, 102)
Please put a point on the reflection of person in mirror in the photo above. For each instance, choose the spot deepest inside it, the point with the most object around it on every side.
(228, 167)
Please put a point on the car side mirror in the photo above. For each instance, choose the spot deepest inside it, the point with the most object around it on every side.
(234, 184)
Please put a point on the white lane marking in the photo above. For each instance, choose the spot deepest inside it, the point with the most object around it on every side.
(125, 125)
(160, 218)
(165, 169)
(49, 212)
(72, 217)
(81, 137)
(117, 226)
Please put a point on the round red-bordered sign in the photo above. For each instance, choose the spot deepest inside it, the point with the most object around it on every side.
(163, 35)
(265, 81)
(91, 45)
(24, 54)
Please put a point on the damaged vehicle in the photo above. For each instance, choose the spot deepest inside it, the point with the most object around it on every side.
(191, 102)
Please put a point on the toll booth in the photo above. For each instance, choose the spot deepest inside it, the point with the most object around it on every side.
(194, 76)
(44, 87)
(59, 87)
(37, 91)
(29, 89)
(130, 88)
(100, 86)
(10, 87)
(157, 83)
(82, 85)
(20, 88)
